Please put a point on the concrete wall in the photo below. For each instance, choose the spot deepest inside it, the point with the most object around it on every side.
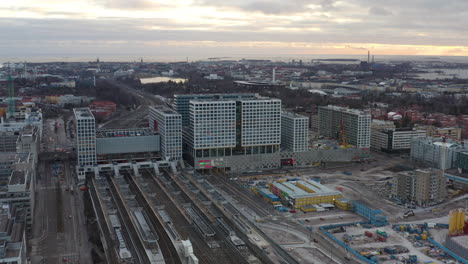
(115, 145)
(273, 160)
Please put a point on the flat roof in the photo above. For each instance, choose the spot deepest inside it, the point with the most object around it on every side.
(292, 190)
(318, 188)
(293, 115)
(83, 113)
(165, 110)
(346, 110)
(17, 177)
(216, 94)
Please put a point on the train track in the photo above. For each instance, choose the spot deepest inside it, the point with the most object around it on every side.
(228, 253)
(128, 226)
(110, 249)
(186, 231)
(165, 243)
(235, 191)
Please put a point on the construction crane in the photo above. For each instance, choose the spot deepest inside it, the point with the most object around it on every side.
(11, 95)
(344, 143)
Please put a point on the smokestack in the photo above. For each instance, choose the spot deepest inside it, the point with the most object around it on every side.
(368, 56)
(373, 59)
(273, 77)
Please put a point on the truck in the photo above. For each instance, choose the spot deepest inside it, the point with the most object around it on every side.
(381, 233)
(408, 214)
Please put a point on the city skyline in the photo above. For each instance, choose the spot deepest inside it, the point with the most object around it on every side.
(204, 27)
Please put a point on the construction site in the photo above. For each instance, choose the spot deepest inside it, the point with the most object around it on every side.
(300, 207)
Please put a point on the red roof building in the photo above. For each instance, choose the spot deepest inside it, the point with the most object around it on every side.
(102, 109)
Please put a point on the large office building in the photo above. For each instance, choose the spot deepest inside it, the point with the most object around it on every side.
(355, 124)
(294, 132)
(420, 187)
(394, 140)
(222, 128)
(168, 124)
(182, 102)
(85, 137)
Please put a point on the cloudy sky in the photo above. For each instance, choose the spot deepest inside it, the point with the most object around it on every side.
(223, 27)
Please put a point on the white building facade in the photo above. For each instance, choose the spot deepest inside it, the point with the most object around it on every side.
(85, 137)
(294, 132)
(168, 124)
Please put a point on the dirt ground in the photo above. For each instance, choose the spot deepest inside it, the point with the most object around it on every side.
(310, 256)
(362, 242)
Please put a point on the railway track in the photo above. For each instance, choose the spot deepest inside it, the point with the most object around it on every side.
(185, 230)
(165, 243)
(127, 226)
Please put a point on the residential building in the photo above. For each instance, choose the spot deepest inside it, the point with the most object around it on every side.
(17, 187)
(354, 123)
(294, 132)
(182, 102)
(394, 140)
(421, 187)
(12, 235)
(449, 132)
(85, 137)
(462, 161)
(314, 122)
(382, 124)
(220, 128)
(437, 152)
(8, 141)
(168, 124)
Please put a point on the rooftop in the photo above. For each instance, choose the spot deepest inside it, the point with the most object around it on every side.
(130, 132)
(17, 177)
(346, 110)
(292, 115)
(83, 113)
(220, 95)
(164, 109)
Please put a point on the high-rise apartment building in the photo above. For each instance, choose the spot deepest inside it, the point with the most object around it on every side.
(294, 132)
(421, 187)
(221, 127)
(260, 122)
(168, 124)
(85, 137)
(436, 152)
(182, 102)
(212, 128)
(355, 124)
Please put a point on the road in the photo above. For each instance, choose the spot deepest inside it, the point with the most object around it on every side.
(59, 229)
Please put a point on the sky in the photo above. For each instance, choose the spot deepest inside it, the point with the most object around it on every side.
(233, 28)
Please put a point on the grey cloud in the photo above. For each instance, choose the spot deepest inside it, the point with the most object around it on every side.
(379, 11)
(271, 6)
(126, 4)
